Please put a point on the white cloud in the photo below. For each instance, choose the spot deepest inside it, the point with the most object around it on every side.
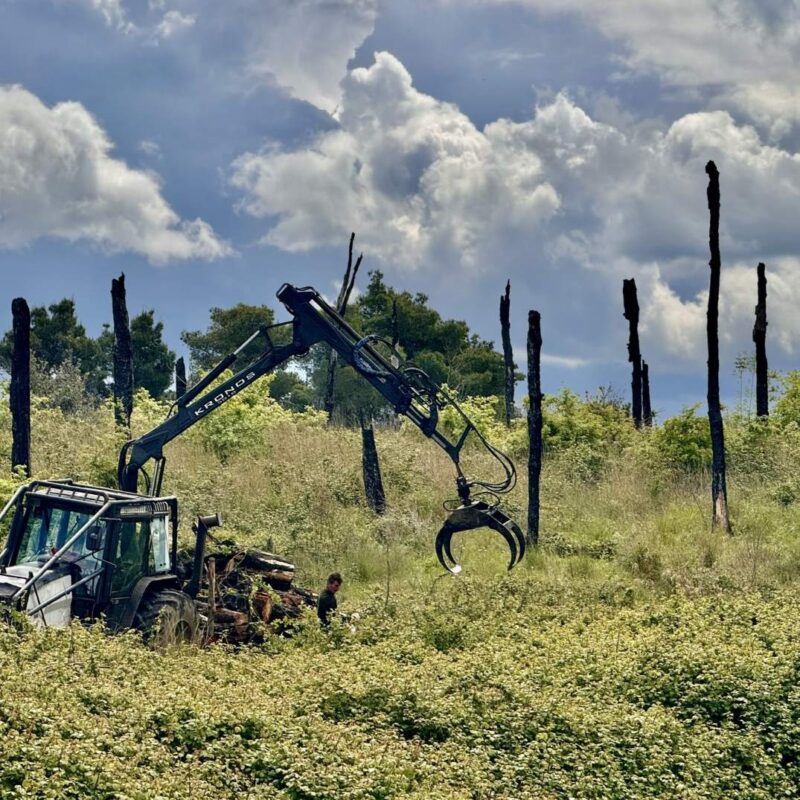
(58, 178)
(113, 12)
(304, 45)
(672, 327)
(423, 186)
(746, 51)
(171, 23)
(150, 148)
(413, 175)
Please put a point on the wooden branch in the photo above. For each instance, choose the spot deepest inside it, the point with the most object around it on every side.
(395, 324)
(20, 388)
(508, 355)
(534, 422)
(631, 313)
(180, 378)
(647, 412)
(341, 306)
(373, 483)
(122, 354)
(719, 492)
(760, 340)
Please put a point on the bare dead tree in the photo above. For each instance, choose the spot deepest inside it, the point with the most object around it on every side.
(180, 378)
(534, 422)
(631, 313)
(760, 340)
(508, 356)
(373, 483)
(122, 354)
(20, 389)
(341, 306)
(719, 491)
(395, 324)
(647, 411)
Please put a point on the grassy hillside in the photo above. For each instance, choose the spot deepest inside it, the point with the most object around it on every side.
(636, 654)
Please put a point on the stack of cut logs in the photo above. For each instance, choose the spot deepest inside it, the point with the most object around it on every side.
(247, 589)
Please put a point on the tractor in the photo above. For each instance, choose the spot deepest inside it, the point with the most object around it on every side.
(76, 551)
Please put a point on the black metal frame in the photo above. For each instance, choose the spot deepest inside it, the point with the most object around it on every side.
(409, 390)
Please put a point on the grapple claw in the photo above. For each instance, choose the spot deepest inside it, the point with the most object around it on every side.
(471, 516)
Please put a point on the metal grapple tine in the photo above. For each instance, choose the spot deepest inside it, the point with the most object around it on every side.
(478, 515)
(443, 551)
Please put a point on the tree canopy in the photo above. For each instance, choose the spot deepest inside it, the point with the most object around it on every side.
(61, 347)
(229, 327)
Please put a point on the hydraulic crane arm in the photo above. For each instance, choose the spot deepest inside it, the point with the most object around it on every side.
(409, 390)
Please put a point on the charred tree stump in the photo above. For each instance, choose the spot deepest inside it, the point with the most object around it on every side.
(373, 483)
(341, 306)
(760, 340)
(719, 491)
(20, 389)
(122, 354)
(534, 422)
(180, 378)
(647, 411)
(508, 356)
(395, 325)
(631, 313)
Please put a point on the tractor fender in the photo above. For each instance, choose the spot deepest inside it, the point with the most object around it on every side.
(143, 586)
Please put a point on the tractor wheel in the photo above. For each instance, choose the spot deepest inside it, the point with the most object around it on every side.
(168, 617)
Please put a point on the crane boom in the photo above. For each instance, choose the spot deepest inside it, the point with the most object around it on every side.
(409, 391)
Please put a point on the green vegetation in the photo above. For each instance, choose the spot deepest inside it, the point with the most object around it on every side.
(636, 654)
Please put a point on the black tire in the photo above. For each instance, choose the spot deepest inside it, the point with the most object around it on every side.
(167, 617)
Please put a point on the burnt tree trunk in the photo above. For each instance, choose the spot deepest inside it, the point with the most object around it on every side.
(631, 313)
(395, 325)
(20, 389)
(122, 354)
(180, 378)
(373, 483)
(341, 306)
(647, 411)
(508, 356)
(760, 339)
(534, 422)
(719, 491)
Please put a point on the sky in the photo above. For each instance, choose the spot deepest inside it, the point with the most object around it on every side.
(213, 151)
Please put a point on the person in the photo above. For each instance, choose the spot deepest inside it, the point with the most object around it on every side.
(326, 605)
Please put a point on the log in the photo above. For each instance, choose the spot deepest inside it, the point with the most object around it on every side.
(373, 483)
(395, 324)
(262, 603)
(719, 491)
(180, 378)
(631, 313)
(534, 423)
(122, 354)
(760, 341)
(508, 355)
(341, 307)
(647, 411)
(19, 395)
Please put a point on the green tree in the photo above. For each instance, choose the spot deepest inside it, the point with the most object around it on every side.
(229, 327)
(443, 348)
(787, 409)
(58, 338)
(153, 361)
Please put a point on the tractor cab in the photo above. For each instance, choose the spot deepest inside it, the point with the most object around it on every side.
(82, 551)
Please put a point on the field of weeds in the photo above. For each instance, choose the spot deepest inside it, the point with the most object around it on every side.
(636, 654)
